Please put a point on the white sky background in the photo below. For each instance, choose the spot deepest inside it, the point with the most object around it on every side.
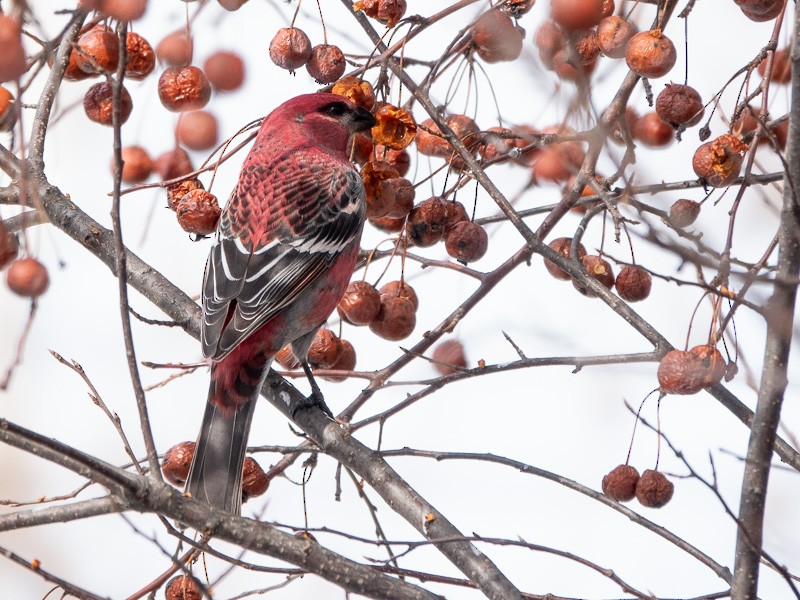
(575, 425)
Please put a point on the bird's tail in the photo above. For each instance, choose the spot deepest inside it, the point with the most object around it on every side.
(215, 476)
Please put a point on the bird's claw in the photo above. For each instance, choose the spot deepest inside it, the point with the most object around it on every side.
(314, 400)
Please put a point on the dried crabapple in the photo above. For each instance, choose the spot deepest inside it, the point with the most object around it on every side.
(359, 148)
(427, 221)
(650, 54)
(633, 283)
(173, 163)
(557, 162)
(326, 64)
(183, 88)
(563, 246)
(613, 34)
(396, 319)
(711, 362)
(653, 489)
(719, 161)
(549, 39)
(760, 10)
(141, 57)
(687, 372)
(8, 112)
(388, 224)
(448, 356)
(182, 587)
(231, 5)
(388, 12)
(27, 277)
(620, 483)
(290, 49)
(394, 127)
(683, 213)
(73, 72)
(466, 241)
(175, 49)
(456, 213)
(400, 289)
(599, 269)
(12, 58)
(652, 131)
(373, 175)
(781, 66)
(580, 14)
(324, 350)
(98, 50)
(254, 480)
(496, 37)
(433, 142)
(517, 8)
(9, 246)
(679, 104)
(178, 190)
(98, 103)
(224, 70)
(197, 130)
(136, 164)
(400, 192)
(123, 10)
(287, 359)
(198, 212)
(345, 362)
(358, 91)
(747, 121)
(177, 461)
(399, 159)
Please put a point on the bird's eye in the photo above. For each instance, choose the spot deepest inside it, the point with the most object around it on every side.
(336, 109)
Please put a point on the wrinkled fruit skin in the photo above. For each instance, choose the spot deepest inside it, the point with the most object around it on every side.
(719, 161)
(290, 49)
(346, 362)
(466, 241)
(141, 57)
(182, 587)
(360, 304)
(98, 104)
(613, 34)
(177, 461)
(599, 269)
(183, 88)
(654, 490)
(620, 483)
(687, 372)
(427, 222)
(633, 284)
(198, 212)
(324, 350)
(396, 319)
(326, 63)
(683, 213)
(650, 54)
(680, 104)
(564, 247)
(254, 480)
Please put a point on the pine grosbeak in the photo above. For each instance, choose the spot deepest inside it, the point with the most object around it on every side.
(285, 250)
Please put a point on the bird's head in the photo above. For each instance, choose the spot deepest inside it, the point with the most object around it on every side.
(325, 120)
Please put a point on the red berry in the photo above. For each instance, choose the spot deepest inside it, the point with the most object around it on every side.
(633, 284)
(613, 35)
(175, 49)
(360, 304)
(620, 483)
(254, 480)
(326, 64)
(324, 350)
(396, 319)
(27, 277)
(183, 88)
(136, 164)
(679, 104)
(177, 461)
(564, 247)
(652, 131)
(346, 361)
(197, 130)
(290, 49)
(182, 587)
(449, 355)
(650, 54)
(198, 212)
(98, 104)
(653, 489)
(141, 57)
(466, 241)
(98, 50)
(173, 163)
(225, 71)
(719, 161)
(496, 37)
(427, 221)
(683, 213)
(599, 269)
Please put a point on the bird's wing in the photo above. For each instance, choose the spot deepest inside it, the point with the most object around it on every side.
(274, 244)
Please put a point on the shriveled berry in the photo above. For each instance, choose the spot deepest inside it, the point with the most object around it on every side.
(27, 277)
(9, 246)
(688, 372)
(141, 57)
(326, 64)
(182, 587)
(719, 161)
(388, 224)
(290, 49)
(73, 72)
(225, 71)
(346, 361)
(173, 163)
(388, 12)
(580, 14)
(197, 130)
(652, 131)
(683, 213)
(198, 212)
(98, 50)
(563, 246)
(231, 5)
(633, 283)
(761, 10)
(496, 37)
(711, 362)
(399, 159)
(613, 35)
(98, 104)
(433, 142)
(396, 319)
(620, 483)
(394, 127)
(177, 461)
(175, 49)
(427, 221)
(183, 88)
(12, 58)
(379, 199)
(287, 359)
(517, 8)
(559, 161)
(456, 213)
(651, 54)
(136, 164)
(178, 190)
(324, 350)
(400, 193)
(357, 90)
(599, 269)
(8, 110)
(653, 489)
(400, 289)
(448, 356)
(466, 241)
(679, 104)
(254, 480)
(360, 304)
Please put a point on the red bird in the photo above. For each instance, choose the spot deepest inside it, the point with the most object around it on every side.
(285, 250)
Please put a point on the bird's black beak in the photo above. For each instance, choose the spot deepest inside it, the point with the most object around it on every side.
(359, 120)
